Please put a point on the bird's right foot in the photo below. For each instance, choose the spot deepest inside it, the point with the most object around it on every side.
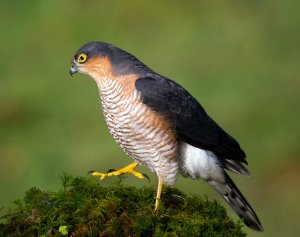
(129, 169)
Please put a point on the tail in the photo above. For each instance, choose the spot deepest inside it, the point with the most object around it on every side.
(237, 201)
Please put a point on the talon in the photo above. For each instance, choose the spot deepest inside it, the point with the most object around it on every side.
(147, 177)
(91, 171)
(111, 170)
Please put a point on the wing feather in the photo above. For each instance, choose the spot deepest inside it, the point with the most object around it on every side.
(190, 120)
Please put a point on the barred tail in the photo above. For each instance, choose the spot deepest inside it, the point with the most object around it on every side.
(237, 201)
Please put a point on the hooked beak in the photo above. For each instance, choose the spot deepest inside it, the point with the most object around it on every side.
(73, 69)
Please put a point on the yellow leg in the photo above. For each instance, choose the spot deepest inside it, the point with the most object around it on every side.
(159, 189)
(129, 169)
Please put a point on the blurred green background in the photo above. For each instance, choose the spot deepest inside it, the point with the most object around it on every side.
(240, 59)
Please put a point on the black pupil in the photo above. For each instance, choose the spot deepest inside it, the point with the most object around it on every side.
(81, 58)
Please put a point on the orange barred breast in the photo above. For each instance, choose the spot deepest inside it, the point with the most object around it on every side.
(144, 135)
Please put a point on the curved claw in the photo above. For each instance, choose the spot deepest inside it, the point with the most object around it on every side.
(147, 177)
(111, 170)
(91, 171)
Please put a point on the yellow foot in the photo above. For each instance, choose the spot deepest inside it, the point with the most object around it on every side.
(129, 169)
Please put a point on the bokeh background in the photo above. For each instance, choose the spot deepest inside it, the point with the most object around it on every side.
(240, 59)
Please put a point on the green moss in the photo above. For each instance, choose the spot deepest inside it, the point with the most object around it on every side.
(85, 208)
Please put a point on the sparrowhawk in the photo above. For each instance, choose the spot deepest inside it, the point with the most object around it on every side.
(162, 126)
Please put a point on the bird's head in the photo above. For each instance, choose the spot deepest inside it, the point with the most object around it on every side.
(100, 60)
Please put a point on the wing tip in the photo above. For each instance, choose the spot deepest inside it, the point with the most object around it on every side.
(236, 166)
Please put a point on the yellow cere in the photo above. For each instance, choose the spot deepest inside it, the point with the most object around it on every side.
(81, 58)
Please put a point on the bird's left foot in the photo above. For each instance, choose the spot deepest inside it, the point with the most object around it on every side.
(129, 169)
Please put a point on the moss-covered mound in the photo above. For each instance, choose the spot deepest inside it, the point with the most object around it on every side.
(85, 208)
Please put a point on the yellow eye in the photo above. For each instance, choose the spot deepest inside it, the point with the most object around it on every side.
(81, 58)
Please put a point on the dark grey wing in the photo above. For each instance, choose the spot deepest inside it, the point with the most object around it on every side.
(190, 120)
(194, 126)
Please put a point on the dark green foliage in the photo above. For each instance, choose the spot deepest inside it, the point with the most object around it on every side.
(85, 208)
